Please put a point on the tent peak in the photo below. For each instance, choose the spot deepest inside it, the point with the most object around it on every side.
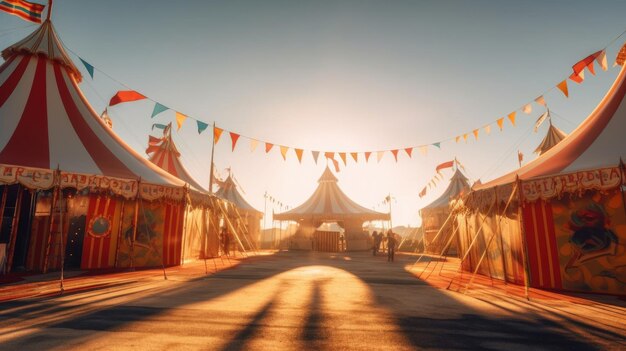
(327, 176)
(45, 42)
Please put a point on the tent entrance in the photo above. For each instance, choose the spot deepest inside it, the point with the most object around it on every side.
(329, 237)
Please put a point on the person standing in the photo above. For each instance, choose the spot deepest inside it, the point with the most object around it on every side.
(375, 243)
(226, 241)
(391, 246)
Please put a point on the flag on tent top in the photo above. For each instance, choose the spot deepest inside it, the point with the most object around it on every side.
(25, 10)
(444, 165)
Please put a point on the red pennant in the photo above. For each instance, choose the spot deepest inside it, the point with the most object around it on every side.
(395, 154)
(367, 155)
(233, 138)
(125, 96)
(268, 147)
(409, 151)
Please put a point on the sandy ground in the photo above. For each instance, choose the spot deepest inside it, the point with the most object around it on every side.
(299, 301)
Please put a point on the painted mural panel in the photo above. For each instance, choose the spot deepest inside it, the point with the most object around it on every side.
(148, 248)
(591, 241)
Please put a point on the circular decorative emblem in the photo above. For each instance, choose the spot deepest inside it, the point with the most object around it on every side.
(99, 226)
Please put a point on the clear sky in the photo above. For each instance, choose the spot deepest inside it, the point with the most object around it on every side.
(340, 76)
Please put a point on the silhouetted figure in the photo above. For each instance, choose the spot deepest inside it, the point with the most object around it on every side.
(375, 243)
(226, 241)
(391, 246)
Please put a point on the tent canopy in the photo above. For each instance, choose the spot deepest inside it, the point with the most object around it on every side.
(458, 185)
(47, 123)
(329, 203)
(163, 153)
(228, 191)
(553, 137)
(597, 142)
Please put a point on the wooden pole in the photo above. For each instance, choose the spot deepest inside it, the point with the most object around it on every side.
(523, 238)
(212, 156)
(49, 10)
(14, 227)
(3, 203)
(186, 207)
(61, 203)
(134, 237)
(119, 233)
(55, 197)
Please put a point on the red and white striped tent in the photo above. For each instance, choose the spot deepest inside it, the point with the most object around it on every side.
(567, 214)
(164, 153)
(553, 137)
(328, 203)
(46, 122)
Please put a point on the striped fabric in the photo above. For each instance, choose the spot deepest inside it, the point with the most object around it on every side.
(26, 10)
(48, 123)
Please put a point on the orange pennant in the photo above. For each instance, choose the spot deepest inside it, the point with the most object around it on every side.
(330, 155)
(355, 156)
(475, 132)
(299, 154)
(367, 155)
(527, 109)
(457, 138)
(409, 151)
(233, 138)
(343, 158)
(563, 88)
(465, 137)
(283, 151)
(395, 154)
(268, 147)
(500, 122)
(512, 117)
(180, 118)
(217, 133)
(488, 129)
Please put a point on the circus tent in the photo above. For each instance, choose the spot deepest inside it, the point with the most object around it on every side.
(162, 151)
(553, 136)
(559, 221)
(329, 203)
(51, 139)
(241, 212)
(434, 215)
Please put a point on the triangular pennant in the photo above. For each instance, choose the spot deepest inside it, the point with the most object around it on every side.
(423, 150)
(540, 100)
(577, 77)
(217, 133)
(299, 154)
(511, 116)
(335, 163)
(475, 132)
(488, 129)
(316, 155)
(283, 152)
(87, 66)
(367, 156)
(437, 145)
(457, 138)
(563, 88)
(527, 109)
(253, 144)
(355, 156)
(409, 151)
(159, 126)
(379, 155)
(158, 108)
(343, 158)
(601, 60)
(395, 154)
(330, 155)
(125, 96)
(465, 137)
(180, 119)
(500, 122)
(268, 147)
(201, 126)
(233, 139)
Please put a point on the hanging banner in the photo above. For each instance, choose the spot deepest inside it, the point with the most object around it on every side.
(97, 183)
(32, 178)
(151, 192)
(578, 182)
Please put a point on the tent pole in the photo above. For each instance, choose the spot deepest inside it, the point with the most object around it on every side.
(3, 203)
(184, 235)
(452, 214)
(212, 166)
(469, 248)
(55, 197)
(499, 230)
(622, 183)
(14, 226)
(119, 233)
(61, 201)
(520, 215)
(443, 250)
(134, 237)
(513, 193)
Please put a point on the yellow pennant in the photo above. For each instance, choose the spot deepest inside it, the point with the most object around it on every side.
(500, 122)
(527, 109)
(180, 119)
(283, 151)
(512, 116)
(379, 155)
(475, 132)
(563, 88)
(488, 129)
(253, 144)
(343, 158)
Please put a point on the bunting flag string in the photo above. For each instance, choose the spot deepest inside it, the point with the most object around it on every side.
(577, 75)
